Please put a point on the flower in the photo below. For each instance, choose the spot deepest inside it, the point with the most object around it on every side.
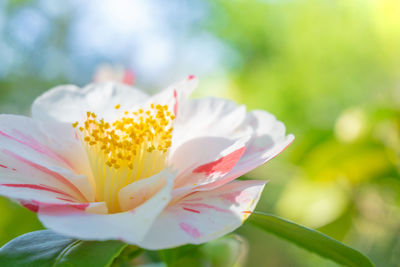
(106, 73)
(110, 162)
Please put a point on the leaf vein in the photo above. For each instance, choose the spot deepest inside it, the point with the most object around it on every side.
(69, 247)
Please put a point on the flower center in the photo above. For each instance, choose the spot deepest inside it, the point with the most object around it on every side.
(131, 148)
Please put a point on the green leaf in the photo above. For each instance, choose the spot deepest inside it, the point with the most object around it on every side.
(187, 255)
(309, 239)
(48, 249)
(230, 250)
(129, 253)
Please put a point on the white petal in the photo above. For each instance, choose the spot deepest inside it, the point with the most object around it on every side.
(222, 118)
(138, 192)
(29, 156)
(69, 103)
(198, 151)
(204, 216)
(203, 161)
(129, 226)
(64, 140)
(209, 117)
(208, 132)
(35, 193)
(269, 139)
(176, 94)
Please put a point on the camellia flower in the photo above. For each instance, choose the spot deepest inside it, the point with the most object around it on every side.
(110, 162)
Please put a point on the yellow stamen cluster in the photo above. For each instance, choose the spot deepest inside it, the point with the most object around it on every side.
(131, 148)
(123, 140)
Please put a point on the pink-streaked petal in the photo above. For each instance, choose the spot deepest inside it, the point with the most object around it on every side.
(204, 216)
(20, 133)
(129, 226)
(35, 192)
(268, 141)
(222, 165)
(176, 94)
(138, 192)
(28, 171)
(28, 155)
(51, 143)
(34, 197)
(39, 187)
(94, 207)
(69, 103)
(223, 118)
(64, 140)
(107, 73)
(200, 151)
(198, 166)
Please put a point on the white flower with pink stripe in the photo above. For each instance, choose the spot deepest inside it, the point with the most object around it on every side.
(110, 162)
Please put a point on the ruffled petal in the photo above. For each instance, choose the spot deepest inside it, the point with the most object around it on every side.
(269, 139)
(204, 216)
(136, 193)
(31, 162)
(93, 207)
(129, 226)
(35, 193)
(203, 161)
(210, 136)
(69, 103)
(176, 94)
(222, 118)
(209, 117)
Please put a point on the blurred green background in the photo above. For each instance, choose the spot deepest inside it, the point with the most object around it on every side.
(329, 69)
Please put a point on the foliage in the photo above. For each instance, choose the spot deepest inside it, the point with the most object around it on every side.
(309, 239)
(46, 248)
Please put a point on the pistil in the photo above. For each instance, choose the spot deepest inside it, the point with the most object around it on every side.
(131, 148)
